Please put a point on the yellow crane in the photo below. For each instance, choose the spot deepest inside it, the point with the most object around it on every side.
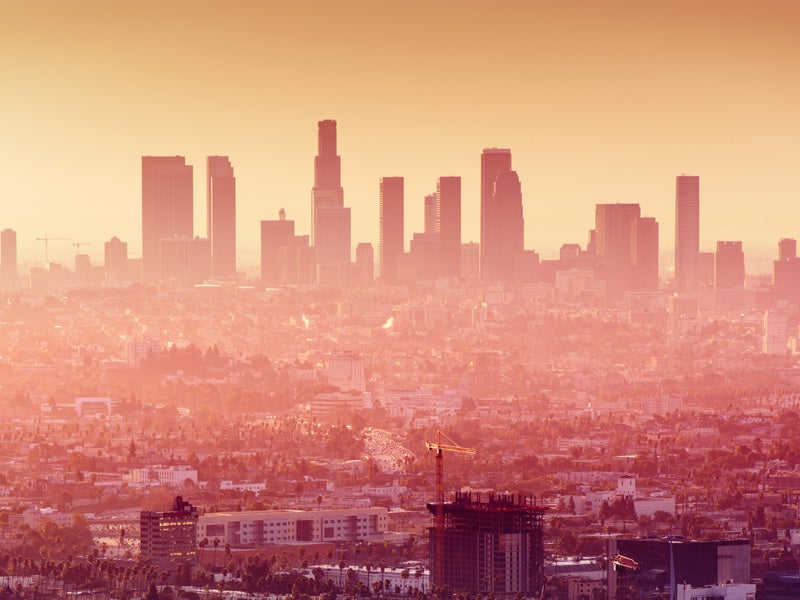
(438, 523)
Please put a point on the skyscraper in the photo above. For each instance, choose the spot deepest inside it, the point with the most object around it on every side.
(431, 213)
(166, 207)
(729, 266)
(365, 264)
(614, 227)
(787, 249)
(115, 254)
(221, 213)
(391, 226)
(332, 245)
(645, 254)
(276, 239)
(506, 228)
(8, 260)
(493, 162)
(327, 189)
(448, 193)
(687, 233)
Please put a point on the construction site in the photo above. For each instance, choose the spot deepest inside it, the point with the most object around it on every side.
(493, 546)
(486, 547)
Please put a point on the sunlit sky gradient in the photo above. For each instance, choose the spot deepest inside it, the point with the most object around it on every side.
(599, 101)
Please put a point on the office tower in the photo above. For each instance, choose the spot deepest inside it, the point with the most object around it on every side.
(166, 207)
(332, 245)
(687, 233)
(506, 228)
(115, 254)
(365, 264)
(185, 259)
(426, 256)
(431, 213)
(448, 193)
(645, 254)
(391, 226)
(787, 249)
(614, 227)
(526, 266)
(470, 260)
(276, 239)
(221, 213)
(786, 273)
(169, 537)
(729, 266)
(705, 270)
(8, 260)
(327, 189)
(493, 161)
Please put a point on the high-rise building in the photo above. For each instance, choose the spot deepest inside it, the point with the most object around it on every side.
(221, 213)
(170, 537)
(687, 233)
(645, 254)
(391, 226)
(776, 334)
(8, 260)
(705, 270)
(491, 547)
(276, 239)
(729, 266)
(426, 256)
(470, 260)
(614, 231)
(431, 213)
(327, 189)
(504, 226)
(365, 264)
(185, 259)
(787, 249)
(166, 207)
(448, 193)
(786, 272)
(332, 246)
(493, 161)
(115, 254)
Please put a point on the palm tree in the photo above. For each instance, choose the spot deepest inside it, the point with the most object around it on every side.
(216, 544)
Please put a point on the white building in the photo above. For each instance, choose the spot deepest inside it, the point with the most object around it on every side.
(346, 371)
(726, 591)
(227, 484)
(166, 476)
(775, 333)
(258, 528)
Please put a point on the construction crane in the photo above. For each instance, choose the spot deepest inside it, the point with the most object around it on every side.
(77, 246)
(47, 239)
(438, 524)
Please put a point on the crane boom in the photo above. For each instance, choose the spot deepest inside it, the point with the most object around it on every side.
(438, 528)
(47, 239)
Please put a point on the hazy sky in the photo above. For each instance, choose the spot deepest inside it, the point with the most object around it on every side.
(598, 101)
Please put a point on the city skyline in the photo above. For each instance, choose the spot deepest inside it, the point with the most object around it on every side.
(599, 104)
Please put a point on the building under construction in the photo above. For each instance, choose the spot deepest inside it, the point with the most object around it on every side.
(489, 547)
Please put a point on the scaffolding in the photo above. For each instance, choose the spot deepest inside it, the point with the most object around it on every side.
(490, 547)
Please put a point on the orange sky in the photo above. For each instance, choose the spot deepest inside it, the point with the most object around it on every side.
(599, 102)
